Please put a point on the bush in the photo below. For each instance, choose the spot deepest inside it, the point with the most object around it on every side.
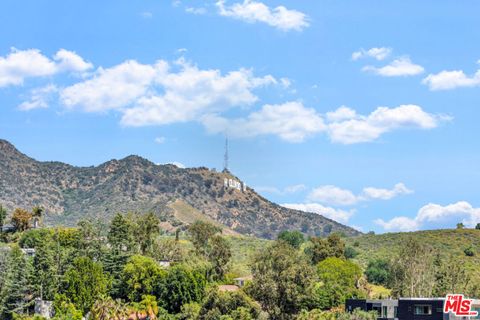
(378, 271)
(469, 251)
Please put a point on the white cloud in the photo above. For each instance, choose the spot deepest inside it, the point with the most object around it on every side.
(335, 214)
(398, 224)
(342, 113)
(19, 65)
(192, 93)
(399, 67)
(160, 140)
(333, 195)
(385, 194)
(178, 164)
(196, 11)
(254, 11)
(434, 213)
(291, 121)
(287, 190)
(39, 98)
(113, 88)
(358, 128)
(376, 53)
(447, 80)
(70, 61)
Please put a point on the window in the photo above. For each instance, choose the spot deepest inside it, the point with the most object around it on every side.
(395, 312)
(385, 312)
(423, 309)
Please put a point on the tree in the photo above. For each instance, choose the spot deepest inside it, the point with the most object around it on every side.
(21, 219)
(3, 217)
(141, 276)
(477, 226)
(293, 238)
(281, 280)
(46, 279)
(219, 253)
(16, 291)
(210, 245)
(451, 276)
(412, 272)
(120, 235)
(338, 280)
(378, 272)
(148, 226)
(91, 239)
(234, 305)
(460, 225)
(320, 249)
(200, 232)
(105, 308)
(180, 286)
(350, 253)
(65, 309)
(37, 214)
(85, 283)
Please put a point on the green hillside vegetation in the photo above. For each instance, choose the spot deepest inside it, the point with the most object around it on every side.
(449, 243)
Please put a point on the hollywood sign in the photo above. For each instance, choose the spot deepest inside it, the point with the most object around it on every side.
(231, 183)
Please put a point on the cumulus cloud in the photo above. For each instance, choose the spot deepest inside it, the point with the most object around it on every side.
(193, 93)
(347, 127)
(335, 214)
(254, 11)
(434, 213)
(448, 80)
(160, 140)
(196, 11)
(376, 53)
(19, 65)
(285, 191)
(385, 194)
(112, 88)
(333, 195)
(291, 121)
(398, 67)
(39, 98)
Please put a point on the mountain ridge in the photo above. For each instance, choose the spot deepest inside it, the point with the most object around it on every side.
(133, 183)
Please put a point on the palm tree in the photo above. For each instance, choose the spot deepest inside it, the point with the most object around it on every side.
(150, 306)
(105, 308)
(37, 213)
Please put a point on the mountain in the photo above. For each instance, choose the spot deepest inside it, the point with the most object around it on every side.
(178, 196)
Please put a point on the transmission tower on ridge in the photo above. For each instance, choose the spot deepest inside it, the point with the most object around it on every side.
(225, 158)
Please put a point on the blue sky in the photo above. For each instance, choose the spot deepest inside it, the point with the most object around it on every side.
(364, 111)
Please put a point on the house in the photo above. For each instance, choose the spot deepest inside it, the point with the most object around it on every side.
(29, 252)
(44, 308)
(242, 280)
(407, 308)
(164, 263)
(386, 308)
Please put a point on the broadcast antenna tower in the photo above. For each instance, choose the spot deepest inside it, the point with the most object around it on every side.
(225, 157)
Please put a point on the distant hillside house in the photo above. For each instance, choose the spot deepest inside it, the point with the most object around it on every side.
(242, 280)
(164, 263)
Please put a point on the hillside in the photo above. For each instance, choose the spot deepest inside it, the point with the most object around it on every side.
(448, 242)
(177, 195)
